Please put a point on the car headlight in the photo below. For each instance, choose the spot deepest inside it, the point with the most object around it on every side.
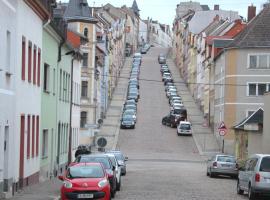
(67, 184)
(102, 183)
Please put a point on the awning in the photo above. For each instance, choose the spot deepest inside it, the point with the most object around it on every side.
(255, 118)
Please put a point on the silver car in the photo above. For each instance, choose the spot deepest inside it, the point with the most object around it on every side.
(222, 165)
(254, 177)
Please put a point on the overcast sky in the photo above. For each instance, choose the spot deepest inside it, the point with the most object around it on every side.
(164, 10)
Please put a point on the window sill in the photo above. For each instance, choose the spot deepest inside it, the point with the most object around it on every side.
(9, 74)
(46, 91)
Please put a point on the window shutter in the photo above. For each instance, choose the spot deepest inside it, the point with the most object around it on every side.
(37, 136)
(34, 65)
(23, 58)
(29, 61)
(38, 70)
(33, 136)
(28, 135)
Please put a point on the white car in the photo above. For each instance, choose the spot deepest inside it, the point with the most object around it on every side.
(117, 170)
(184, 128)
(171, 90)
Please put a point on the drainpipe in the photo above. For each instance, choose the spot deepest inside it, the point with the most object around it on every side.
(70, 115)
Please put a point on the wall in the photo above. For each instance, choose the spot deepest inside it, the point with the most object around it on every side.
(29, 94)
(7, 101)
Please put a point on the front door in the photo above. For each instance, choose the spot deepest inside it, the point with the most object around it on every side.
(6, 152)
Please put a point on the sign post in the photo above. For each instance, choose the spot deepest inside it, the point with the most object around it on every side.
(222, 130)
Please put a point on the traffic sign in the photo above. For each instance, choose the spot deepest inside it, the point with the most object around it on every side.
(222, 129)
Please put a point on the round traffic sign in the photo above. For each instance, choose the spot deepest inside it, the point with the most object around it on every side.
(222, 132)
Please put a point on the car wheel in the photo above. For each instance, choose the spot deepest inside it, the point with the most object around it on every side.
(207, 173)
(239, 190)
(251, 194)
(211, 174)
(163, 123)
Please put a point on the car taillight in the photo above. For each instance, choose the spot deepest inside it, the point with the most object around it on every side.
(214, 164)
(257, 177)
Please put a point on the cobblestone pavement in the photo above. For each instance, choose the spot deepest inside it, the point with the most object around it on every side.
(162, 165)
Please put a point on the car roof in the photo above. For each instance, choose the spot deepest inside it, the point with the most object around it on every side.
(86, 164)
(185, 122)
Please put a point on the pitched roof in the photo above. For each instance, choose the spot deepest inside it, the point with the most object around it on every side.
(135, 8)
(202, 19)
(255, 118)
(78, 10)
(256, 33)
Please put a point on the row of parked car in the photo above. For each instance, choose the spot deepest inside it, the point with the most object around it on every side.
(94, 176)
(178, 113)
(253, 175)
(129, 115)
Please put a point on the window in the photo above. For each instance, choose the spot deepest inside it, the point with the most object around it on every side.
(28, 135)
(34, 65)
(8, 51)
(45, 143)
(38, 70)
(46, 77)
(259, 61)
(54, 81)
(83, 119)
(37, 135)
(261, 88)
(33, 135)
(252, 89)
(23, 58)
(84, 88)
(60, 85)
(258, 89)
(85, 59)
(29, 61)
(85, 32)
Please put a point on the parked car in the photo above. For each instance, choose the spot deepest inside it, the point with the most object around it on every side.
(127, 121)
(117, 170)
(133, 96)
(130, 107)
(184, 128)
(222, 165)
(143, 50)
(137, 55)
(121, 159)
(107, 164)
(173, 98)
(162, 59)
(166, 75)
(171, 90)
(85, 181)
(175, 106)
(254, 177)
(132, 113)
(166, 120)
(167, 80)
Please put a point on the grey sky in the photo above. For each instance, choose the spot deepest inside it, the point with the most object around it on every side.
(164, 10)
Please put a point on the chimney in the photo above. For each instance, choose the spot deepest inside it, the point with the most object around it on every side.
(251, 12)
(216, 7)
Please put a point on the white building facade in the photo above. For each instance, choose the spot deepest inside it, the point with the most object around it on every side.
(7, 95)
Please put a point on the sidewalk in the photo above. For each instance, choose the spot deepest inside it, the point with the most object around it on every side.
(203, 136)
(111, 124)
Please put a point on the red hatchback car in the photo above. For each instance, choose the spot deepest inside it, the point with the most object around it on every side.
(85, 181)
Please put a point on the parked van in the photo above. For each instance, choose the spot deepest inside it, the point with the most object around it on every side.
(254, 177)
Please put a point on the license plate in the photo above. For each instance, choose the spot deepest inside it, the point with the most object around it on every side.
(225, 165)
(85, 196)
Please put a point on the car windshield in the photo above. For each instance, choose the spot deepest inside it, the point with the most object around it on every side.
(129, 112)
(185, 126)
(132, 94)
(226, 159)
(265, 164)
(128, 118)
(119, 156)
(104, 161)
(85, 172)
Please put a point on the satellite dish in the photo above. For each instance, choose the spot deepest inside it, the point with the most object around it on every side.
(102, 142)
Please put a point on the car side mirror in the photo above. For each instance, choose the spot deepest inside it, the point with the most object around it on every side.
(126, 158)
(61, 178)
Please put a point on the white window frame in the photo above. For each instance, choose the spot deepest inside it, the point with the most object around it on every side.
(257, 88)
(257, 55)
(247, 111)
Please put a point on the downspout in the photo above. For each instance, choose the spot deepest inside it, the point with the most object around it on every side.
(70, 114)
